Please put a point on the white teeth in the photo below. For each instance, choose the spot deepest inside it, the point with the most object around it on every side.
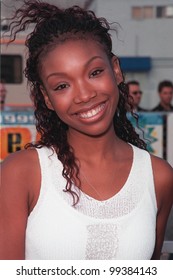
(92, 112)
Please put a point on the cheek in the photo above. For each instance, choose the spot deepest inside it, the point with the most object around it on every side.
(112, 88)
(62, 108)
(165, 97)
(115, 97)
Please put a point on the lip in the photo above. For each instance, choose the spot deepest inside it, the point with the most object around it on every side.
(99, 108)
(88, 108)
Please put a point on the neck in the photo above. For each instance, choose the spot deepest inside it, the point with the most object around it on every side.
(93, 149)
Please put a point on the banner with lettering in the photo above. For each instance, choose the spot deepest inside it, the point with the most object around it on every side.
(151, 130)
(17, 129)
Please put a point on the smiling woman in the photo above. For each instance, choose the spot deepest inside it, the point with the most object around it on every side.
(83, 92)
(88, 188)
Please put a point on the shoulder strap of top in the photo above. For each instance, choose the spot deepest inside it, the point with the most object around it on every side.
(45, 156)
(144, 170)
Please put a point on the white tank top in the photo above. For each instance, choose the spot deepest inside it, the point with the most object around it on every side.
(122, 227)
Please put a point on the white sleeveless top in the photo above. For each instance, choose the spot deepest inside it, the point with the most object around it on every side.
(122, 227)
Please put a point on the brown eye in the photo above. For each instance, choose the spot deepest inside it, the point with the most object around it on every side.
(61, 87)
(96, 72)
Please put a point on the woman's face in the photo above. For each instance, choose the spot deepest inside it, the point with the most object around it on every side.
(80, 84)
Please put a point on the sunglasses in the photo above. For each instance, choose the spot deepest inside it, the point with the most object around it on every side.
(137, 92)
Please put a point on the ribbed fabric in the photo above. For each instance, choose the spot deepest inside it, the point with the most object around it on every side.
(122, 227)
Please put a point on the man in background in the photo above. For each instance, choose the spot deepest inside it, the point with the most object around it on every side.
(165, 91)
(136, 94)
(3, 93)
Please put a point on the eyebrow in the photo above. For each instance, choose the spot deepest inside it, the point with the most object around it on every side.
(86, 64)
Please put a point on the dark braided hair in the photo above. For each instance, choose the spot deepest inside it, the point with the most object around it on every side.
(54, 25)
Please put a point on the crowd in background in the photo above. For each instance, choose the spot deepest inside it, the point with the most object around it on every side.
(165, 91)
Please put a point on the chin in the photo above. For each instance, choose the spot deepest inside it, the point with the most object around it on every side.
(99, 131)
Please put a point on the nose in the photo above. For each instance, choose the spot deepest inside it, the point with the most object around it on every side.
(84, 93)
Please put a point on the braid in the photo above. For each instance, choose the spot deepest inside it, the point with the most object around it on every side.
(123, 127)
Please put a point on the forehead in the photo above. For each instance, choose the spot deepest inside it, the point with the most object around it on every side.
(72, 52)
(166, 90)
(133, 86)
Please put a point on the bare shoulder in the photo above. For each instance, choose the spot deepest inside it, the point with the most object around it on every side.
(21, 163)
(163, 181)
(162, 170)
(20, 182)
(163, 178)
(18, 159)
(21, 174)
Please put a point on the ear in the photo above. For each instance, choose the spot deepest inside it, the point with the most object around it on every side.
(46, 98)
(117, 70)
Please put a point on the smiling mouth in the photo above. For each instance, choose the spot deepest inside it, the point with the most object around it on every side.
(93, 112)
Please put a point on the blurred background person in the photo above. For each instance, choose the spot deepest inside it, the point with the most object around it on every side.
(136, 94)
(165, 91)
(3, 93)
